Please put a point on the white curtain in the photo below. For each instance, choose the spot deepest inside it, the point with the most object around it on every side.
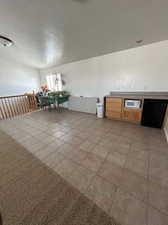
(54, 82)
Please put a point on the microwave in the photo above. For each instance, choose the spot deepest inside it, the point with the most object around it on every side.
(130, 103)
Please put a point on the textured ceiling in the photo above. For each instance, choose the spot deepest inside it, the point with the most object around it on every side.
(53, 32)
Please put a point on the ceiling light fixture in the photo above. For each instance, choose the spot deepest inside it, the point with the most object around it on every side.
(5, 42)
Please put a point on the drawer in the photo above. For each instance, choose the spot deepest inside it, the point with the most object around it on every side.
(113, 115)
(114, 100)
(114, 106)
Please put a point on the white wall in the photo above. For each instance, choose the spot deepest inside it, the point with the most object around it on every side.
(139, 69)
(17, 79)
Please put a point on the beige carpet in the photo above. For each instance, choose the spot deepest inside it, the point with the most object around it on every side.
(33, 194)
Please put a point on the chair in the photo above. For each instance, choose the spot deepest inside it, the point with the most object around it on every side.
(61, 100)
(45, 101)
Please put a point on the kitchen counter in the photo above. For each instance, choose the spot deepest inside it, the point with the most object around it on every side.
(139, 95)
(114, 107)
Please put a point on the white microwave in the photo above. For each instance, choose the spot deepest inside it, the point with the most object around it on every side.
(130, 103)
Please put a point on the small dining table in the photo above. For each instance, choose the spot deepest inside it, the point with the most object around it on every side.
(53, 100)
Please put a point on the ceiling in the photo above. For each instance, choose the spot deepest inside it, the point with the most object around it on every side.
(53, 32)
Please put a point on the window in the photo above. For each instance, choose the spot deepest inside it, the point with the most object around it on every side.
(54, 82)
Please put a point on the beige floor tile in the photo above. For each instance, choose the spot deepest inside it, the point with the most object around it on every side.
(55, 142)
(77, 155)
(53, 159)
(110, 136)
(112, 172)
(117, 158)
(98, 195)
(81, 178)
(66, 137)
(51, 140)
(43, 153)
(139, 154)
(158, 144)
(99, 186)
(101, 151)
(158, 159)
(94, 139)
(42, 136)
(158, 197)
(87, 146)
(156, 218)
(58, 134)
(141, 146)
(118, 214)
(75, 141)
(135, 185)
(37, 147)
(106, 143)
(66, 168)
(120, 146)
(131, 210)
(103, 203)
(158, 168)
(138, 166)
(92, 162)
(65, 149)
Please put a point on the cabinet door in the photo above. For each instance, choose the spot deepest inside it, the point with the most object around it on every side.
(113, 108)
(127, 115)
(132, 115)
(137, 116)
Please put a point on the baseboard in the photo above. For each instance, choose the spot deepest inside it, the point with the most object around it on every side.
(166, 133)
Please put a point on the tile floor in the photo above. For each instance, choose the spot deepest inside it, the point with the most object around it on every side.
(122, 167)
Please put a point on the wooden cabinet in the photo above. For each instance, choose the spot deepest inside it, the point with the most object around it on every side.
(132, 115)
(114, 108)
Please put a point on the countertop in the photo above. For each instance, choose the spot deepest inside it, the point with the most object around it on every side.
(139, 95)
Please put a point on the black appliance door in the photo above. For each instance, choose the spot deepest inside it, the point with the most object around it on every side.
(153, 113)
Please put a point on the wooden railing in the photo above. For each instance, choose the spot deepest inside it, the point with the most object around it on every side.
(11, 106)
